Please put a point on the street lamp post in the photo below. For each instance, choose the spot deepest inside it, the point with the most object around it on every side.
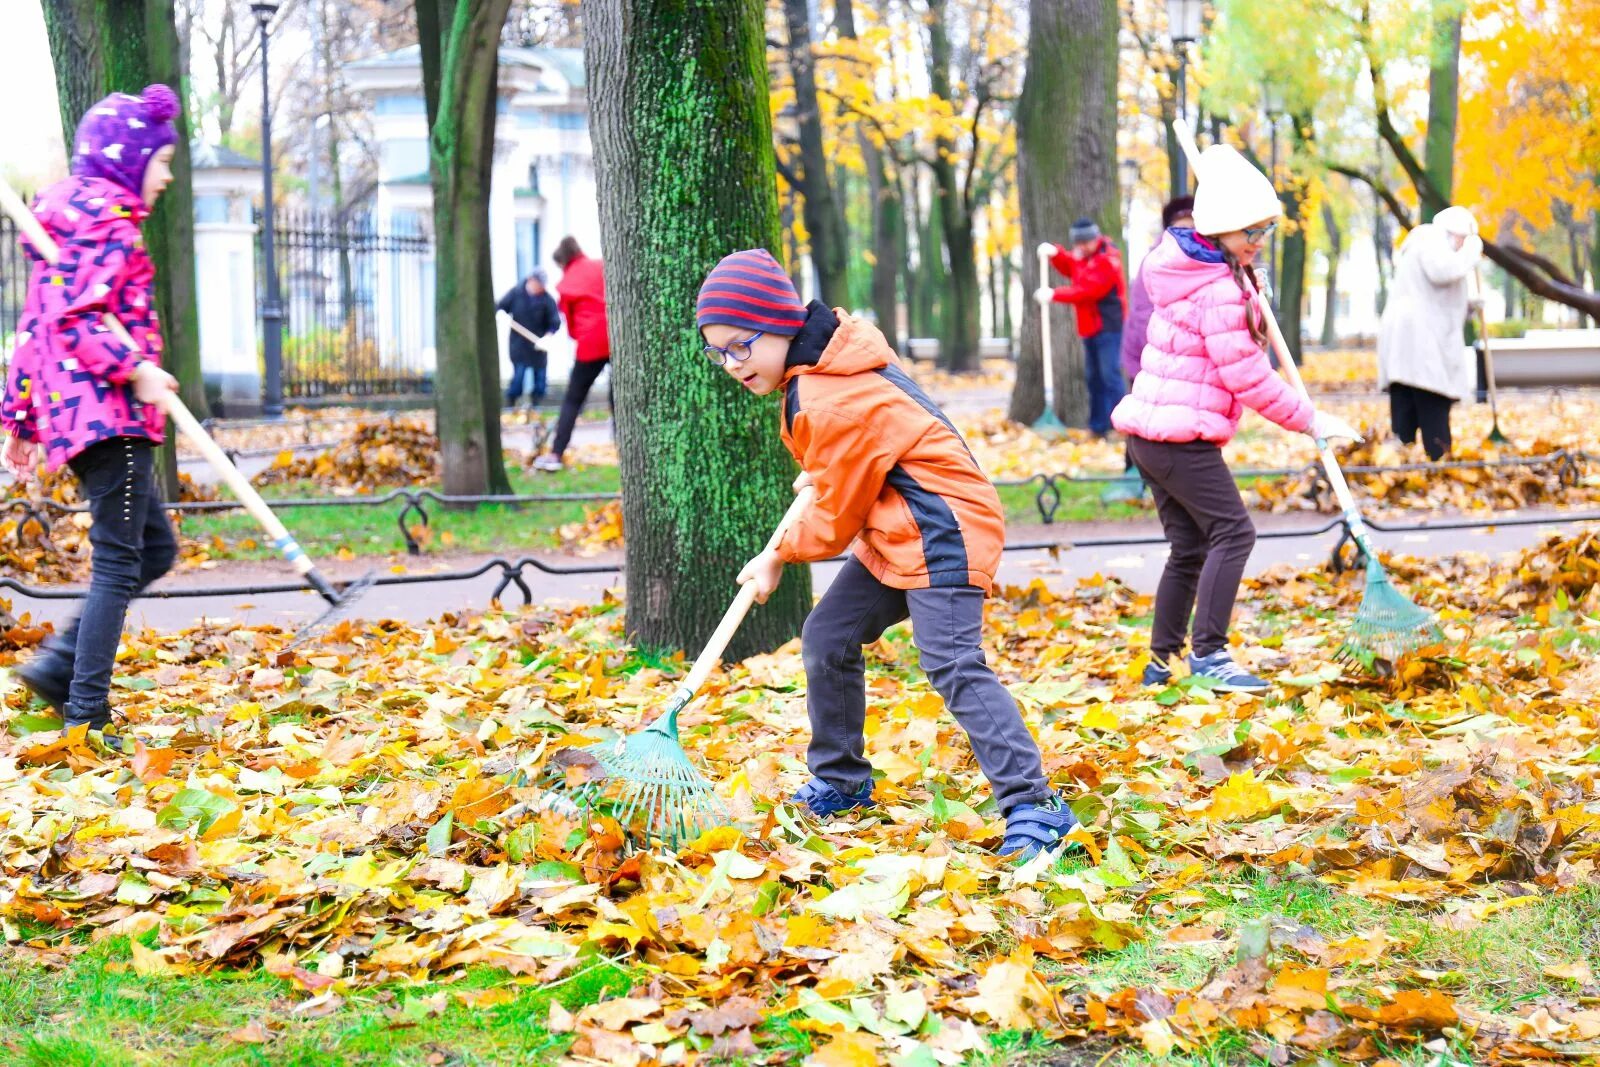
(1272, 102)
(272, 304)
(1184, 18)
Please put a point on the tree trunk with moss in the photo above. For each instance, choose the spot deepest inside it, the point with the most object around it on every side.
(1292, 271)
(460, 42)
(684, 159)
(888, 214)
(1066, 168)
(958, 337)
(1444, 77)
(1330, 304)
(106, 46)
(822, 205)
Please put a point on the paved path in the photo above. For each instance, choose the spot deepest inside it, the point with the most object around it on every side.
(1138, 565)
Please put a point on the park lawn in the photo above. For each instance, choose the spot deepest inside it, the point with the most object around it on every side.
(365, 530)
(368, 530)
(98, 1010)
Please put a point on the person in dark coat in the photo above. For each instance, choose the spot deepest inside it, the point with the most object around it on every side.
(532, 307)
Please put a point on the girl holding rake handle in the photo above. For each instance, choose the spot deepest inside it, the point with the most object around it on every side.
(1205, 361)
(86, 399)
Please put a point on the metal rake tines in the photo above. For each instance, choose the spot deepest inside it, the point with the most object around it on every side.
(663, 790)
(1388, 624)
(652, 786)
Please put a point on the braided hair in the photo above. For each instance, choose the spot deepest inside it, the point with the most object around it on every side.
(1249, 284)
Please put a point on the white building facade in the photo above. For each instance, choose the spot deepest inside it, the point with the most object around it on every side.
(542, 187)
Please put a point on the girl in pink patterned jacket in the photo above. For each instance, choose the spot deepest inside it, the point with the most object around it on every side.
(1203, 362)
(89, 401)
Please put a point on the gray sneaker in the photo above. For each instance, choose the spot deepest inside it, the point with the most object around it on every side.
(1225, 675)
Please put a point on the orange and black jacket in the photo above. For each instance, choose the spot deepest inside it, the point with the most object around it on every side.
(890, 470)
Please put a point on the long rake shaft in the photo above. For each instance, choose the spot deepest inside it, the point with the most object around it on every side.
(1387, 624)
(1047, 424)
(1495, 434)
(190, 427)
(659, 783)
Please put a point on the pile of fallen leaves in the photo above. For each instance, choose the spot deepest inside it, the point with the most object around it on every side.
(373, 456)
(994, 374)
(1500, 484)
(44, 545)
(378, 807)
(600, 530)
(299, 426)
(1340, 370)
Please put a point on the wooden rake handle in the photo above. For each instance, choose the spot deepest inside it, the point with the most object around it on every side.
(712, 655)
(1330, 462)
(1486, 347)
(179, 413)
(524, 331)
(1045, 361)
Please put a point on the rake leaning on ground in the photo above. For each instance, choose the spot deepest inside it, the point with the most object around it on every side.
(1388, 624)
(339, 601)
(659, 783)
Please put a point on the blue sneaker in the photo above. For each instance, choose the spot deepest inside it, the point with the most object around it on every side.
(1157, 675)
(1031, 828)
(824, 801)
(1226, 676)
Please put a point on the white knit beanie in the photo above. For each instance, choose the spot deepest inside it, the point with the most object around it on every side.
(1456, 220)
(1231, 194)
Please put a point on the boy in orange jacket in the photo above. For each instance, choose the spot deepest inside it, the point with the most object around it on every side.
(895, 479)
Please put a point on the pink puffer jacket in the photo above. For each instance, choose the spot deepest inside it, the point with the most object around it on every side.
(1200, 367)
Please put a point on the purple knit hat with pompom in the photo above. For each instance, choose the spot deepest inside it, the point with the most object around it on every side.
(118, 136)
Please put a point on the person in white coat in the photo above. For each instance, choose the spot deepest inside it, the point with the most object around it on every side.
(1423, 361)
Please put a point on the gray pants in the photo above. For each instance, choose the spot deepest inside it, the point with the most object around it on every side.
(947, 625)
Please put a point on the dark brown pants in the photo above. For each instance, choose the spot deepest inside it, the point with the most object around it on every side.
(1211, 536)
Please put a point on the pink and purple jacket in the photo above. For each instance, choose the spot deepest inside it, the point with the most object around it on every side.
(68, 386)
(1200, 367)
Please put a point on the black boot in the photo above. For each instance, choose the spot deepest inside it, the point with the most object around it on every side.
(97, 717)
(48, 676)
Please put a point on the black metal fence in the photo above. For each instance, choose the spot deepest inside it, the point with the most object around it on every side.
(358, 306)
(15, 267)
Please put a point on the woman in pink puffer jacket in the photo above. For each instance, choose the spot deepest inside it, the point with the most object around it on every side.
(1204, 362)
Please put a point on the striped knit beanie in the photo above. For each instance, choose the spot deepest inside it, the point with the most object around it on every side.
(749, 289)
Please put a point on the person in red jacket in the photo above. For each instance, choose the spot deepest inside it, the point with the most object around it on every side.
(581, 296)
(1098, 292)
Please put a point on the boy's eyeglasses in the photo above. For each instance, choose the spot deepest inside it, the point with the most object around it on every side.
(738, 351)
(1258, 234)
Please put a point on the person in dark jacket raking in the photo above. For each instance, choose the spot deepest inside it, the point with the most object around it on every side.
(532, 307)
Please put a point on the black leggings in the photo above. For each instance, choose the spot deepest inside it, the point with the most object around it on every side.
(1412, 409)
(578, 386)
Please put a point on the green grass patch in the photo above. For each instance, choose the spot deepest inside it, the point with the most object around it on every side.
(375, 530)
(97, 1012)
(1080, 502)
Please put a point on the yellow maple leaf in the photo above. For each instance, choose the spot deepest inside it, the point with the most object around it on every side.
(1240, 797)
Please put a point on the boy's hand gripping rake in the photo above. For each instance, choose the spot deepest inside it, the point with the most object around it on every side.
(338, 600)
(659, 782)
(1388, 624)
